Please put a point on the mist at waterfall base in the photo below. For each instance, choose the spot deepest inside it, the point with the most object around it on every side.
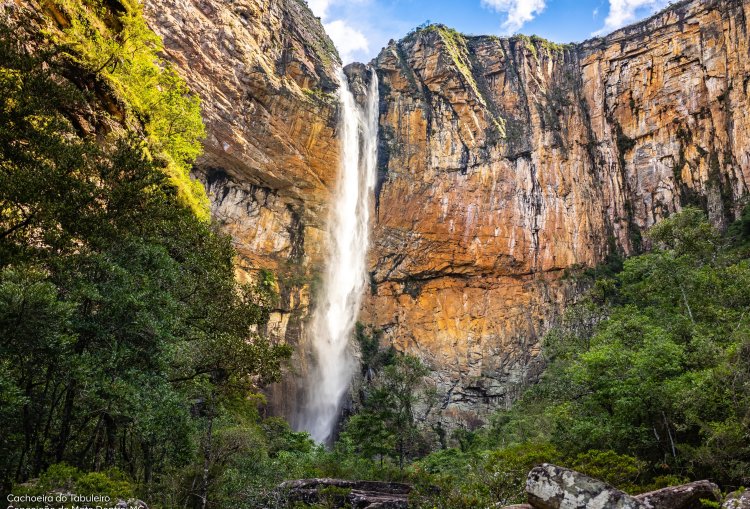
(344, 279)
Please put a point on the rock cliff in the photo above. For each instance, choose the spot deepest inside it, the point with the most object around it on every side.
(504, 162)
(265, 72)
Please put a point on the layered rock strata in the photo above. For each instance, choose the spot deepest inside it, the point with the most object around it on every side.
(265, 72)
(506, 162)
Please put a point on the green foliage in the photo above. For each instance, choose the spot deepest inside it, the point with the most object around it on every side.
(122, 49)
(125, 341)
(549, 46)
(655, 368)
(647, 385)
(529, 44)
(739, 231)
(281, 438)
(111, 483)
(480, 478)
(386, 425)
(373, 357)
(616, 469)
(502, 473)
(456, 46)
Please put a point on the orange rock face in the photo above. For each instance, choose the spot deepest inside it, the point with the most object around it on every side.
(505, 161)
(264, 70)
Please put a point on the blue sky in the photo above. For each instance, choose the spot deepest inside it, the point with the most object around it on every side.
(360, 28)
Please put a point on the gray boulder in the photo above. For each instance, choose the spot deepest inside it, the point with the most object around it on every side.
(357, 494)
(552, 487)
(687, 496)
(737, 500)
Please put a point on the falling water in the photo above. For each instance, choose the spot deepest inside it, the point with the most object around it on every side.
(345, 273)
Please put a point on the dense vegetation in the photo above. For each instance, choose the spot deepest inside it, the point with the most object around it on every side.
(130, 359)
(127, 349)
(647, 385)
(112, 40)
(648, 378)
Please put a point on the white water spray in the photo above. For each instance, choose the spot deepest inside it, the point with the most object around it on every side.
(345, 273)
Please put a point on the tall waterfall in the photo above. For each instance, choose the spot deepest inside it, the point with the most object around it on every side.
(344, 279)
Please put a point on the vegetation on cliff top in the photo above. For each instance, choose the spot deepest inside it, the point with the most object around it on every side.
(457, 48)
(118, 46)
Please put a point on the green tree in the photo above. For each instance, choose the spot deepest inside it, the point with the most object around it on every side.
(123, 333)
(386, 425)
(652, 368)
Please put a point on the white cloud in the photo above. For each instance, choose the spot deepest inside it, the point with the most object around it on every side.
(319, 7)
(622, 12)
(348, 40)
(344, 24)
(519, 12)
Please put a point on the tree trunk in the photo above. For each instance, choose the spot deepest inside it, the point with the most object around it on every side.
(65, 422)
(207, 453)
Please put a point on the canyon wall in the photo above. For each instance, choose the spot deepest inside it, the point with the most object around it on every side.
(265, 73)
(504, 164)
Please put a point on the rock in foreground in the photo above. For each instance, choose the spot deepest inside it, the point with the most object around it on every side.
(552, 487)
(687, 496)
(737, 500)
(357, 494)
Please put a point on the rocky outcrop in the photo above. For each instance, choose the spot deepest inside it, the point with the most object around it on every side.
(737, 500)
(687, 496)
(505, 162)
(265, 73)
(264, 70)
(552, 487)
(341, 493)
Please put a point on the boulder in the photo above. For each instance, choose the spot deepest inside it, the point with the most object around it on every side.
(687, 496)
(552, 487)
(357, 494)
(737, 500)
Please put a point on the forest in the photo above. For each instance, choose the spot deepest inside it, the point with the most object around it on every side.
(132, 366)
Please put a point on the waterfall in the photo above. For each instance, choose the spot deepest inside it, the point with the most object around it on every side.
(344, 278)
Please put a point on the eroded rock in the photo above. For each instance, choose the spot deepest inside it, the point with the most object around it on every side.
(687, 496)
(265, 73)
(552, 487)
(339, 493)
(505, 162)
